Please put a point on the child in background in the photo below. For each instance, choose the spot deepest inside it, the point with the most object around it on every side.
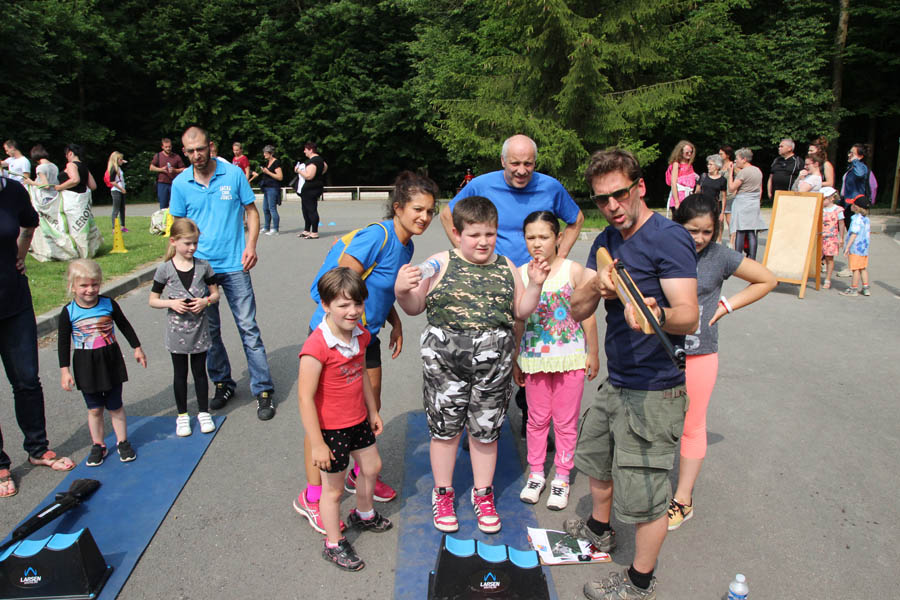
(832, 230)
(339, 413)
(715, 264)
(857, 247)
(190, 285)
(99, 369)
(467, 352)
(552, 362)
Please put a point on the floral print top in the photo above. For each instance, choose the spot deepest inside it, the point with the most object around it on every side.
(553, 342)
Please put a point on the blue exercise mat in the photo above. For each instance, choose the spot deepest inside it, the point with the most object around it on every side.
(419, 541)
(134, 497)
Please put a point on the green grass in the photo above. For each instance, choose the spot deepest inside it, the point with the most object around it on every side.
(48, 280)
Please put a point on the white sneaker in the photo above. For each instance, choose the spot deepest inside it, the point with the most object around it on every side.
(272, 232)
(206, 422)
(183, 426)
(263, 230)
(844, 273)
(531, 493)
(559, 495)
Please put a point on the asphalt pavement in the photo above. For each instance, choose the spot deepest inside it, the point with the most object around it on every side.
(798, 491)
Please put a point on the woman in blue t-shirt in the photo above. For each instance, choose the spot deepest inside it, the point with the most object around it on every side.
(376, 252)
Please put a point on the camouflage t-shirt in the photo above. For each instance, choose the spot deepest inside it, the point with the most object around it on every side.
(472, 297)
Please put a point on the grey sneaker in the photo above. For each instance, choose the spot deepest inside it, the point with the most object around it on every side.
(618, 587)
(866, 291)
(851, 291)
(844, 273)
(579, 529)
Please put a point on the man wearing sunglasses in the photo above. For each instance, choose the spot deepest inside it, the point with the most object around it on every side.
(626, 445)
(518, 191)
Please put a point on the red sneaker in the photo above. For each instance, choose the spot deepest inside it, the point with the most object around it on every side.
(488, 519)
(383, 492)
(310, 510)
(442, 507)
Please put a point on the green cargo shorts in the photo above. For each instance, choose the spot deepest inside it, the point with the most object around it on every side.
(629, 437)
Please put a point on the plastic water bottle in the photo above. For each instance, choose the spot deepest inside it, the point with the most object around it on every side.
(738, 589)
(429, 267)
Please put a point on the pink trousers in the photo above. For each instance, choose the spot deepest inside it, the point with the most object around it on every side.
(700, 374)
(556, 395)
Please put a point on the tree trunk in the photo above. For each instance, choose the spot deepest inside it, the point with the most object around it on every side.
(837, 79)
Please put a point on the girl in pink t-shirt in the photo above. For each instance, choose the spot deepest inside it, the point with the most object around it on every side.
(681, 162)
(339, 413)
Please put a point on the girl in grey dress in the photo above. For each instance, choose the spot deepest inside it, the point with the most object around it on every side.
(190, 287)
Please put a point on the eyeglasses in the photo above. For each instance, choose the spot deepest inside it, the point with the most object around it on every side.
(603, 199)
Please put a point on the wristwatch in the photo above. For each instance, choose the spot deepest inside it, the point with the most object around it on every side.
(662, 316)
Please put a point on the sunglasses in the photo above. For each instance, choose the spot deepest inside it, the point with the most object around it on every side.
(603, 199)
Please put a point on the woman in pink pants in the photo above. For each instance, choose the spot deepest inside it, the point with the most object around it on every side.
(554, 353)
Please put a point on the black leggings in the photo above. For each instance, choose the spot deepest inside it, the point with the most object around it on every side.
(201, 383)
(118, 200)
(309, 204)
(752, 242)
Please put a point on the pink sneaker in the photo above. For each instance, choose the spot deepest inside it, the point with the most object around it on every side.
(310, 510)
(488, 519)
(383, 492)
(442, 507)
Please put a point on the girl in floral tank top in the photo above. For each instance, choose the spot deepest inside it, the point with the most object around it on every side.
(554, 354)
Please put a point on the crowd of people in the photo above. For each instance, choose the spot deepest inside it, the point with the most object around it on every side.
(505, 303)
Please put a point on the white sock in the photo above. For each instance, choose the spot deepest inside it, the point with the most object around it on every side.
(365, 516)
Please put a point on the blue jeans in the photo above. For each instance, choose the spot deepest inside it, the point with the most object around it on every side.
(238, 289)
(19, 352)
(270, 207)
(163, 194)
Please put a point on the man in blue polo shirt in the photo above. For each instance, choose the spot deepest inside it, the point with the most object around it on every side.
(216, 195)
(626, 445)
(518, 191)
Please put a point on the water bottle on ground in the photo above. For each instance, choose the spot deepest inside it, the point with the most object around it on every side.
(738, 589)
(429, 267)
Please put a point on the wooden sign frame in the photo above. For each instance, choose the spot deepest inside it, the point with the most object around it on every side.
(604, 260)
(794, 244)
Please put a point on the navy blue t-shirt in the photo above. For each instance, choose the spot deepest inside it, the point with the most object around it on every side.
(660, 249)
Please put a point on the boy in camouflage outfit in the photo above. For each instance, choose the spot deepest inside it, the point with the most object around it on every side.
(467, 352)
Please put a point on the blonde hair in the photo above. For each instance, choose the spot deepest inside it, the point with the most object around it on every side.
(112, 165)
(84, 268)
(181, 228)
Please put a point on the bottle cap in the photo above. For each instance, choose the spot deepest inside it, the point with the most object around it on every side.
(739, 578)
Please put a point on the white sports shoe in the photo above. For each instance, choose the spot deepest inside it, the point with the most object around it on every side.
(531, 493)
(559, 495)
(206, 422)
(183, 426)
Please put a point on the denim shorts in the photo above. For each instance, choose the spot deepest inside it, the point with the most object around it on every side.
(629, 437)
(110, 399)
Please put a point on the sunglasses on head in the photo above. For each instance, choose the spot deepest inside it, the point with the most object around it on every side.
(619, 195)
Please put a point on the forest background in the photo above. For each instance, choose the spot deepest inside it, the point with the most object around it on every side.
(436, 85)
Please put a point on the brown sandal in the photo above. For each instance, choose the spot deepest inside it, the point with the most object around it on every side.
(50, 459)
(7, 485)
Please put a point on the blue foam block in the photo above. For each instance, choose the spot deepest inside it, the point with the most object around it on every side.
(419, 541)
(133, 498)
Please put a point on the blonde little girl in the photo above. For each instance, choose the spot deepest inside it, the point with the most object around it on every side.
(832, 230)
(190, 288)
(99, 369)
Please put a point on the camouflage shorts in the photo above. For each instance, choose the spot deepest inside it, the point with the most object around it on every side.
(467, 381)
